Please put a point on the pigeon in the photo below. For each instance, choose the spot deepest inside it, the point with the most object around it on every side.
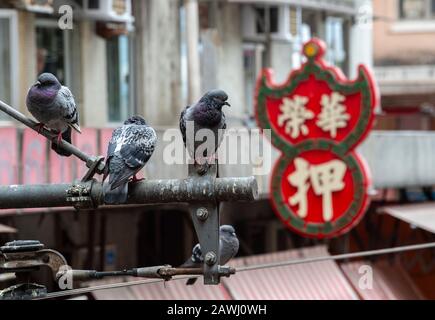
(130, 148)
(206, 114)
(53, 106)
(228, 248)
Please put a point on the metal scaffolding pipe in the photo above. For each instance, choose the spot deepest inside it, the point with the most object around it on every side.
(90, 194)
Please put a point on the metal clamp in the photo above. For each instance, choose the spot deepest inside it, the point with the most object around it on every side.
(205, 217)
(79, 195)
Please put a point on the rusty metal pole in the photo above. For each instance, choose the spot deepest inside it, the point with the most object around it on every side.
(90, 194)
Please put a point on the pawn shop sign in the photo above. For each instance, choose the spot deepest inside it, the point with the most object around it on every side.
(318, 117)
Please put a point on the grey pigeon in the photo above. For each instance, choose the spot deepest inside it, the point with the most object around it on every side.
(228, 246)
(53, 106)
(130, 148)
(206, 114)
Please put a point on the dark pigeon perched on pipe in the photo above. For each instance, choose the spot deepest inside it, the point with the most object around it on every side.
(206, 114)
(228, 248)
(53, 106)
(130, 148)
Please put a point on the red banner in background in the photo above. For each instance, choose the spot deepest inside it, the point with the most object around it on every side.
(8, 156)
(34, 158)
(88, 143)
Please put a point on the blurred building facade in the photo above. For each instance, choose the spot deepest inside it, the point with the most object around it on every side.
(404, 62)
(123, 57)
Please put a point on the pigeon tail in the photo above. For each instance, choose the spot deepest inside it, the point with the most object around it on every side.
(115, 196)
(66, 136)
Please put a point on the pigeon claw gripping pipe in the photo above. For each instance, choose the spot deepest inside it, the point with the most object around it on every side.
(53, 106)
(130, 148)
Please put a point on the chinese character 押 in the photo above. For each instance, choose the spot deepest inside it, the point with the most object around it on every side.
(324, 178)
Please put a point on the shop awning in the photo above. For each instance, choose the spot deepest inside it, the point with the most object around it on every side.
(420, 215)
(7, 229)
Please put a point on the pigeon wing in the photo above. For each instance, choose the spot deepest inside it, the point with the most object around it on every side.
(111, 150)
(183, 123)
(136, 146)
(69, 108)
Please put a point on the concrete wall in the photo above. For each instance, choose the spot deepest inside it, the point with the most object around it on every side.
(93, 110)
(230, 58)
(27, 58)
(395, 40)
(158, 61)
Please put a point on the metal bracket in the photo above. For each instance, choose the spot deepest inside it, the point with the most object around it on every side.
(95, 165)
(205, 217)
(22, 258)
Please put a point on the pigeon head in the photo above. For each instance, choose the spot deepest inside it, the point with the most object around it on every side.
(137, 120)
(216, 98)
(228, 230)
(47, 81)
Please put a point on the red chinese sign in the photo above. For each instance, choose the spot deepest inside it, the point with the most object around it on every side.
(317, 118)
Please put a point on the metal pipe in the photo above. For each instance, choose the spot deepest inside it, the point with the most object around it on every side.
(89, 160)
(90, 194)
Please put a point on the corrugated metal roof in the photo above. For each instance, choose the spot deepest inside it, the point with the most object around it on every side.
(324, 280)
(310, 281)
(390, 282)
(173, 290)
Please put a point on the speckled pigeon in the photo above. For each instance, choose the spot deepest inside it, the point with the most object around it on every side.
(130, 148)
(53, 106)
(228, 246)
(206, 114)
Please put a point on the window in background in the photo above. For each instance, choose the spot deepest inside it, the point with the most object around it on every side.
(336, 53)
(8, 58)
(119, 76)
(50, 49)
(416, 9)
(262, 19)
(253, 57)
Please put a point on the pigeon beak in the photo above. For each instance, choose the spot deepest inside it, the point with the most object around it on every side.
(227, 104)
(38, 83)
(233, 234)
